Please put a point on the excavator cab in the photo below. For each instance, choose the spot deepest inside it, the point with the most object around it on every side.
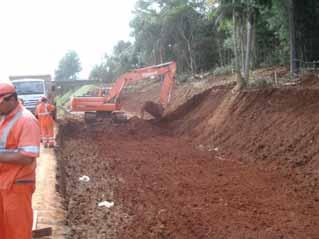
(107, 104)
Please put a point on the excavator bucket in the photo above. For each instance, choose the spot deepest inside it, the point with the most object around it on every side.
(154, 109)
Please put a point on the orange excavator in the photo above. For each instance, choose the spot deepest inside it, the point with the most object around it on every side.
(109, 104)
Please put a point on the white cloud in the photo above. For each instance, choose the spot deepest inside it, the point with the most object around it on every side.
(35, 34)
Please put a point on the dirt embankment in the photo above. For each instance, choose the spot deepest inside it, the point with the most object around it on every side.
(275, 126)
(223, 165)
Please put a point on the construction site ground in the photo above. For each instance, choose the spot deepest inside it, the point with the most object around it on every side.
(47, 203)
(221, 164)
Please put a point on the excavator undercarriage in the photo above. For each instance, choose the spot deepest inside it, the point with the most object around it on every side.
(115, 116)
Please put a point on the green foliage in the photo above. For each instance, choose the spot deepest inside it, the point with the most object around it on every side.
(175, 30)
(307, 30)
(102, 71)
(199, 35)
(84, 90)
(223, 70)
(260, 83)
(69, 67)
(273, 36)
(63, 99)
(122, 60)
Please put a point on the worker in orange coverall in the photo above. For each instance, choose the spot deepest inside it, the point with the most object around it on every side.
(44, 113)
(19, 148)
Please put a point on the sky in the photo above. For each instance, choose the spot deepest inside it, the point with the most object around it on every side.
(36, 34)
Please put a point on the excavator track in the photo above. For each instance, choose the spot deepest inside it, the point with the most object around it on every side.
(91, 117)
(119, 117)
(115, 116)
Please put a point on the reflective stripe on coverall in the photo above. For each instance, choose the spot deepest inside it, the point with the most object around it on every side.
(44, 113)
(19, 133)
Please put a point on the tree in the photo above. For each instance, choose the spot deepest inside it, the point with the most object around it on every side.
(123, 59)
(177, 30)
(182, 23)
(69, 67)
(244, 14)
(100, 72)
(200, 35)
(292, 37)
(147, 31)
(236, 11)
(103, 71)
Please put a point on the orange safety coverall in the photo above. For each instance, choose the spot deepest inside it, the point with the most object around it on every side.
(19, 132)
(44, 114)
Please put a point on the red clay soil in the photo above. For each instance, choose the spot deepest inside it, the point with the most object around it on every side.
(310, 80)
(266, 125)
(223, 165)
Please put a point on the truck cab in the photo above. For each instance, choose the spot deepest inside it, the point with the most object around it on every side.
(30, 90)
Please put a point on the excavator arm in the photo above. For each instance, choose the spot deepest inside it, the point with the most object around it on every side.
(168, 70)
(110, 103)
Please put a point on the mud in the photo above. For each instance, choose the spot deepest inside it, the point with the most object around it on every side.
(222, 165)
